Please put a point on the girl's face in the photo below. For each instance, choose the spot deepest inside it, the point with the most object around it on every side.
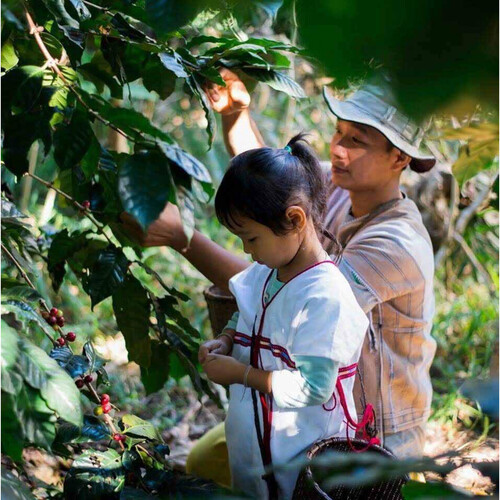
(263, 245)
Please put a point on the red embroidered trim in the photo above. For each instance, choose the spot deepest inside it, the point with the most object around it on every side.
(265, 343)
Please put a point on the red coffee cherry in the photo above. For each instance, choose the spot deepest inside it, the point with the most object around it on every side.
(105, 399)
(86, 204)
(71, 336)
(79, 383)
(119, 437)
(88, 379)
(60, 320)
(106, 407)
(61, 341)
(54, 311)
(51, 320)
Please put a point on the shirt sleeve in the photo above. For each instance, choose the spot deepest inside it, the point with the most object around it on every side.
(330, 326)
(386, 267)
(312, 383)
(233, 322)
(365, 296)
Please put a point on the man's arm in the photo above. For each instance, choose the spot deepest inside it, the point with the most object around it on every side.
(213, 261)
(232, 102)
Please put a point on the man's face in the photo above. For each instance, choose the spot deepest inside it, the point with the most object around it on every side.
(362, 158)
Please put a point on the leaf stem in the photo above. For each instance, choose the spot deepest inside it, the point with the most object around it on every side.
(85, 211)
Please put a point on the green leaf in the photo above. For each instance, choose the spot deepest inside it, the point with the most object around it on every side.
(169, 289)
(22, 87)
(174, 63)
(12, 434)
(74, 364)
(106, 275)
(145, 196)
(131, 308)
(9, 56)
(59, 98)
(20, 131)
(10, 211)
(58, 10)
(99, 72)
(95, 361)
(428, 69)
(156, 374)
(156, 77)
(35, 418)
(10, 347)
(185, 202)
(276, 80)
(414, 490)
(56, 386)
(478, 154)
(72, 141)
(169, 15)
(198, 92)
(25, 312)
(17, 290)
(126, 29)
(186, 162)
(95, 475)
(130, 121)
(137, 427)
(13, 488)
(62, 247)
(93, 429)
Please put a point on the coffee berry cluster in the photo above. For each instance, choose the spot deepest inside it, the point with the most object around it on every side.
(55, 318)
(105, 405)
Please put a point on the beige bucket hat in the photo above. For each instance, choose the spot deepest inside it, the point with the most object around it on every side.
(374, 104)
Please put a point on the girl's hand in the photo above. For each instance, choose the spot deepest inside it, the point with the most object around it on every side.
(224, 370)
(221, 345)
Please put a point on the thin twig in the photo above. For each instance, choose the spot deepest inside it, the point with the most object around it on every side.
(29, 282)
(473, 259)
(98, 7)
(85, 211)
(53, 64)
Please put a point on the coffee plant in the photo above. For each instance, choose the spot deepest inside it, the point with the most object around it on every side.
(65, 65)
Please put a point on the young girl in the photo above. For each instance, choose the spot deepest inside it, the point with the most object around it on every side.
(298, 329)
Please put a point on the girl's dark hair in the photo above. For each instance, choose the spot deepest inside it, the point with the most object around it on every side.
(262, 183)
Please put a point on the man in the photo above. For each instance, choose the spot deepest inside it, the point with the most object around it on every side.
(383, 250)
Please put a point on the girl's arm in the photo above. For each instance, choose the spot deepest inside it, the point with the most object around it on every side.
(226, 370)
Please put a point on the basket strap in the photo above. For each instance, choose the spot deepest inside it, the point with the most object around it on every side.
(367, 421)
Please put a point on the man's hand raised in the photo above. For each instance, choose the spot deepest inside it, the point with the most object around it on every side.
(230, 99)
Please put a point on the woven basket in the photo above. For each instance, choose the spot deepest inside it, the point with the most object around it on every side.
(306, 487)
(221, 306)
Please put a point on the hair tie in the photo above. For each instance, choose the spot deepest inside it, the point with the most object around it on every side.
(288, 148)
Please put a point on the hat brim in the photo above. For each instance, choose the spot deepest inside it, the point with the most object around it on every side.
(420, 162)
